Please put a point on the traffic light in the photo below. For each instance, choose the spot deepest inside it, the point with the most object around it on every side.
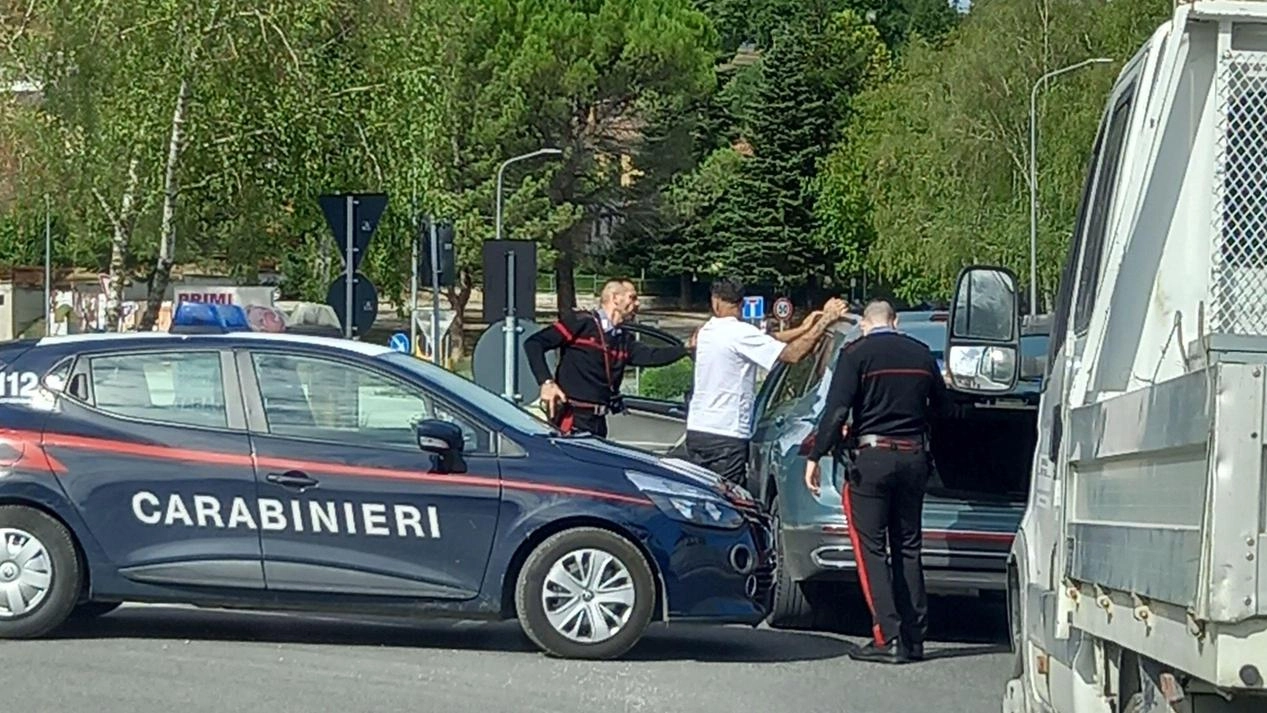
(447, 256)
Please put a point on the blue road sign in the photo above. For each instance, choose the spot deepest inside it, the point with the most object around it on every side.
(754, 307)
(399, 342)
(367, 208)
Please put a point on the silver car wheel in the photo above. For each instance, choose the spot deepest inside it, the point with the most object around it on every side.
(588, 595)
(26, 573)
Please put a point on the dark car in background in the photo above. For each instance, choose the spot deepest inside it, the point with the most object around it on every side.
(975, 500)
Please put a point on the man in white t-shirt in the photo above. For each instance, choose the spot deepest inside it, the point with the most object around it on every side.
(728, 352)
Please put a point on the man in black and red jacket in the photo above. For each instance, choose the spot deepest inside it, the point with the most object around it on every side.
(593, 354)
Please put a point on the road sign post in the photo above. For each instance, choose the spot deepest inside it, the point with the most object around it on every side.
(364, 303)
(350, 223)
(353, 218)
(413, 290)
(511, 332)
(435, 296)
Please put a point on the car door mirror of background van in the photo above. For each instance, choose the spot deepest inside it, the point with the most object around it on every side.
(443, 440)
(983, 341)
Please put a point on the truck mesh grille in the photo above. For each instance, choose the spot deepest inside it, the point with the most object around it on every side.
(1239, 284)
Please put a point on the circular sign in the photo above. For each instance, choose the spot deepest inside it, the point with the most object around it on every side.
(488, 361)
(364, 302)
(399, 342)
(783, 308)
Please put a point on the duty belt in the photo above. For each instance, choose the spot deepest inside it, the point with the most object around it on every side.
(597, 409)
(892, 444)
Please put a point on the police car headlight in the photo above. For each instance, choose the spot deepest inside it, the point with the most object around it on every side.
(686, 503)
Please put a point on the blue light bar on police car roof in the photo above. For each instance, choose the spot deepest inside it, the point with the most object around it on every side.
(201, 318)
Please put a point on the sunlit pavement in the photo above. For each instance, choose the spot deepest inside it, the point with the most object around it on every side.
(149, 658)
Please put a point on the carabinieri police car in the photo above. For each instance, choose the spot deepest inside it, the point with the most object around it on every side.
(224, 467)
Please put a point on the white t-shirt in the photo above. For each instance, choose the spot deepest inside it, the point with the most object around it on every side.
(727, 354)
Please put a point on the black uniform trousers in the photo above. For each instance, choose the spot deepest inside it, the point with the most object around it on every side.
(571, 419)
(725, 456)
(884, 505)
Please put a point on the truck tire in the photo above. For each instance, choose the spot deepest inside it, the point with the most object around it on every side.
(40, 575)
(1015, 626)
(791, 608)
(585, 593)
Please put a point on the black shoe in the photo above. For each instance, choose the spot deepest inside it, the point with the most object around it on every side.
(891, 652)
(914, 652)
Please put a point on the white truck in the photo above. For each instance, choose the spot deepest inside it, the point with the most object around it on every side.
(1138, 578)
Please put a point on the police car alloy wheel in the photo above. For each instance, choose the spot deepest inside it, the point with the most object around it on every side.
(585, 593)
(39, 573)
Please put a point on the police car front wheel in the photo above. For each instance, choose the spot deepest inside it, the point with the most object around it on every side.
(39, 573)
(585, 593)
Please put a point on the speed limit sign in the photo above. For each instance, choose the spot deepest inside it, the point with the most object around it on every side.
(783, 308)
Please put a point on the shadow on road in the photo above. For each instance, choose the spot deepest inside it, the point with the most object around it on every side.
(978, 622)
(953, 622)
(661, 643)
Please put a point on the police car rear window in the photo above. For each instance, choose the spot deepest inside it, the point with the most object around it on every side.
(179, 388)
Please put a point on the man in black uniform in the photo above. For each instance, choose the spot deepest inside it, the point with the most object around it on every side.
(887, 381)
(593, 354)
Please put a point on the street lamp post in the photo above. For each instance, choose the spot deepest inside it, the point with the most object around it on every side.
(509, 328)
(1033, 174)
(502, 169)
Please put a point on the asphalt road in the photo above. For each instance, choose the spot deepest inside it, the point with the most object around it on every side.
(147, 658)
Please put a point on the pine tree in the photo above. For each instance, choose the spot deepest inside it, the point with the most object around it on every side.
(766, 219)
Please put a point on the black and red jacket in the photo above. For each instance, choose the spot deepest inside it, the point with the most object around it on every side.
(592, 361)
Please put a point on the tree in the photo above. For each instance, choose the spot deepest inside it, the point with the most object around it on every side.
(944, 147)
(765, 220)
(139, 130)
(580, 76)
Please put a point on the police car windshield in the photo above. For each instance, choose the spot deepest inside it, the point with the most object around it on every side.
(478, 396)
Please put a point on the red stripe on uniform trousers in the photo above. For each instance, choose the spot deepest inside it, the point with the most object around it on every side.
(863, 578)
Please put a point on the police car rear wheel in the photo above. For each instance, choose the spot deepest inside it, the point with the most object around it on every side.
(39, 573)
(585, 593)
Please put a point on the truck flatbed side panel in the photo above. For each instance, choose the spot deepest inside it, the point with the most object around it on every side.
(1165, 537)
(1138, 489)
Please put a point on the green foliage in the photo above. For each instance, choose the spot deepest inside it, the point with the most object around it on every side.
(890, 135)
(762, 224)
(669, 383)
(937, 168)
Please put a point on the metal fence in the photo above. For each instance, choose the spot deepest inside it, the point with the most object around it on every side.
(1239, 279)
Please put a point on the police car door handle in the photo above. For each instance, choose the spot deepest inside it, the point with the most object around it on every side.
(292, 479)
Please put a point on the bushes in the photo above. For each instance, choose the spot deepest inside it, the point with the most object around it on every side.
(667, 382)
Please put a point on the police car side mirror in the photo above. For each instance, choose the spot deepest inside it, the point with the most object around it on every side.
(444, 440)
(983, 335)
(440, 437)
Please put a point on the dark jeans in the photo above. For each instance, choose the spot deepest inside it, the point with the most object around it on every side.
(725, 456)
(884, 505)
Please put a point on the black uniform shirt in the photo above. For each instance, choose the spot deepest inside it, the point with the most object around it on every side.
(888, 381)
(592, 360)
